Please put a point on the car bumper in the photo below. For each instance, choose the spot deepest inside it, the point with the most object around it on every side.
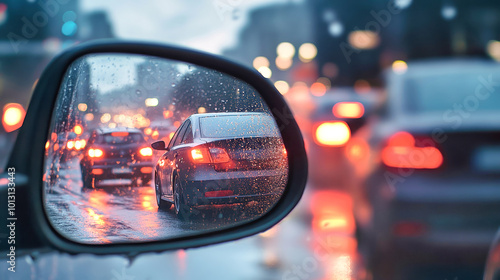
(329, 166)
(244, 186)
(104, 172)
(436, 220)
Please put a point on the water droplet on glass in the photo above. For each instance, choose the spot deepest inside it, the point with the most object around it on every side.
(130, 259)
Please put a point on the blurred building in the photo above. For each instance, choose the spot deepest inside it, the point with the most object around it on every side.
(360, 39)
(269, 26)
(96, 25)
(31, 33)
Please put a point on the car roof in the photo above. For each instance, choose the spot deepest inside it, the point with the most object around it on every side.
(432, 67)
(196, 117)
(105, 130)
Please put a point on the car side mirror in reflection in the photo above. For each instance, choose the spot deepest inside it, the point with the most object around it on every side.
(239, 165)
(159, 145)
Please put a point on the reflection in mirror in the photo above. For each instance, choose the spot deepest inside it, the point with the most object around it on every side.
(222, 161)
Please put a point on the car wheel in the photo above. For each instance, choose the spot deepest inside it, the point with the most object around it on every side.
(87, 180)
(181, 209)
(162, 204)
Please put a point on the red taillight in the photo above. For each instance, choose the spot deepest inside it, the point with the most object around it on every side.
(146, 170)
(209, 155)
(200, 155)
(332, 134)
(402, 152)
(348, 110)
(408, 229)
(219, 193)
(95, 153)
(146, 152)
(219, 155)
(119, 134)
(97, 171)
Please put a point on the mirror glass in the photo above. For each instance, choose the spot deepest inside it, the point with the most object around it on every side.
(223, 162)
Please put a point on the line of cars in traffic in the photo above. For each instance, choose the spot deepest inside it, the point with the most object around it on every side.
(423, 167)
(210, 159)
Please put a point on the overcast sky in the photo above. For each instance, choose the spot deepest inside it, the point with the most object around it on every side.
(209, 25)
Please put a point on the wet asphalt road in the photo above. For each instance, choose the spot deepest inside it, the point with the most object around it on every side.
(116, 211)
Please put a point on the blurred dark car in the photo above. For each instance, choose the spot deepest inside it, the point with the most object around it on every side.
(221, 158)
(162, 130)
(337, 114)
(114, 153)
(492, 269)
(431, 195)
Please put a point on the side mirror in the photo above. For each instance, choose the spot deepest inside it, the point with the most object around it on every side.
(159, 145)
(130, 88)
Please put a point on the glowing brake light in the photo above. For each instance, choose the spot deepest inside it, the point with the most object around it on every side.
(200, 155)
(332, 134)
(209, 155)
(95, 153)
(348, 110)
(146, 152)
(401, 151)
(119, 134)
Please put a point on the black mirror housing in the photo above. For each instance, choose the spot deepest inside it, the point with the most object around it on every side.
(159, 145)
(35, 232)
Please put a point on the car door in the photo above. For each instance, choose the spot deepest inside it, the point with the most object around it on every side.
(169, 160)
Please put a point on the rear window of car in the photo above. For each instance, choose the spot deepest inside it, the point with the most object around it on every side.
(121, 138)
(444, 92)
(238, 126)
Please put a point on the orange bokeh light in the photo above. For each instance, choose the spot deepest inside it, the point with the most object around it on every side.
(78, 129)
(318, 89)
(332, 134)
(13, 116)
(351, 110)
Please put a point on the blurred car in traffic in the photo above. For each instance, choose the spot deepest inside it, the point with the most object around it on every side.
(429, 194)
(159, 130)
(337, 114)
(221, 158)
(113, 153)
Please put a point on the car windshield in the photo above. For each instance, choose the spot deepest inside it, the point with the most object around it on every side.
(121, 138)
(439, 93)
(238, 126)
